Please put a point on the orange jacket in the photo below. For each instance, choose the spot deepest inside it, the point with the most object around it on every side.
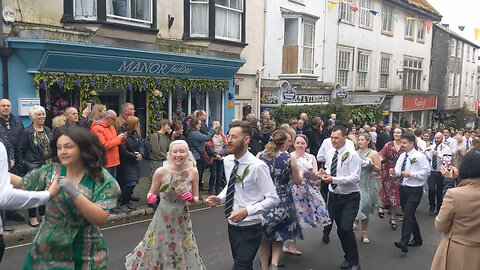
(108, 137)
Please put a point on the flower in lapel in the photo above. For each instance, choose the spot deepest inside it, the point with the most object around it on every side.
(344, 157)
(239, 178)
(413, 160)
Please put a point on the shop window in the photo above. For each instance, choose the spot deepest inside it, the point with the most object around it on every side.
(421, 31)
(135, 11)
(198, 99)
(366, 18)
(344, 62)
(179, 105)
(219, 19)
(215, 106)
(346, 14)
(387, 20)
(55, 101)
(384, 71)
(412, 74)
(362, 69)
(409, 28)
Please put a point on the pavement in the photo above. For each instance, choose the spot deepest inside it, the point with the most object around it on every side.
(22, 231)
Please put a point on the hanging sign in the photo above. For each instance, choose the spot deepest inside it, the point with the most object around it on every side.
(289, 94)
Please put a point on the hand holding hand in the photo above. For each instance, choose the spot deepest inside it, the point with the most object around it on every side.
(54, 188)
(391, 172)
(367, 162)
(151, 199)
(327, 179)
(188, 197)
(321, 173)
(68, 187)
(213, 200)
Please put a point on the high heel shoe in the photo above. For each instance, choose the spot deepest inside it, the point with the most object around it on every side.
(393, 224)
(381, 212)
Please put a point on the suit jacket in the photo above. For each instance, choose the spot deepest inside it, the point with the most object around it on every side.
(459, 220)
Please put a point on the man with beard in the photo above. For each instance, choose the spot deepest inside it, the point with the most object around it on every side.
(249, 193)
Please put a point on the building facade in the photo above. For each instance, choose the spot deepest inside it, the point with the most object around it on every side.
(169, 58)
(454, 74)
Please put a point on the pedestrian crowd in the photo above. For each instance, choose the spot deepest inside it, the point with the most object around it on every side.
(275, 182)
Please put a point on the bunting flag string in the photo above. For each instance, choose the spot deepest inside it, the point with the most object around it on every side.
(373, 12)
(446, 25)
(461, 28)
(476, 31)
(428, 24)
(355, 9)
(332, 4)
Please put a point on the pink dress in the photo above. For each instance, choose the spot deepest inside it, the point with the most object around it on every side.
(389, 193)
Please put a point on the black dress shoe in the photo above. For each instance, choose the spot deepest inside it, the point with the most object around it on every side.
(414, 243)
(400, 246)
(431, 211)
(326, 239)
(15, 217)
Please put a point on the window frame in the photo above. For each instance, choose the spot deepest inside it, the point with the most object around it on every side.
(453, 47)
(451, 83)
(421, 30)
(344, 8)
(364, 9)
(302, 46)
(468, 53)
(218, 6)
(347, 68)
(385, 70)
(212, 25)
(412, 30)
(412, 74)
(459, 51)
(387, 12)
(363, 68)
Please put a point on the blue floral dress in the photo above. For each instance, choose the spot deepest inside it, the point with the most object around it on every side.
(309, 202)
(281, 222)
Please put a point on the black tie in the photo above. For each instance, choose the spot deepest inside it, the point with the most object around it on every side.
(404, 166)
(334, 167)
(231, 190)
(467, 146)
(434, 160)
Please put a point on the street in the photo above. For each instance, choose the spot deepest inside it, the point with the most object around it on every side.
(211, 234)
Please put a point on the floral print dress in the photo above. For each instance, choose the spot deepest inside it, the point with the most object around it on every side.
(389, 192)
(311, 207)
(281, 222)
(368, 189)
(169, 242)
(66, 240)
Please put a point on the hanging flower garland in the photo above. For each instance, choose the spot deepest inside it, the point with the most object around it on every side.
(92, 85)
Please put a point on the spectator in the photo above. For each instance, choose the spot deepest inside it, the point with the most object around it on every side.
(177, 131)
(269, 129)
(333, 118)
(131, 152)
(128, 109)
(186, 124)
(96, 114)
(33, 151)
(299, 128)
(58, 121)
(293, 123)
(202, 116)
(264, 121)
(71, 114)
(196, 142)
(107, 135)
(255, 145)
(12, 126)
(218, 144)
(159, 142)
(383, 137)
(316, 136)
(307, 127)
(459, 219)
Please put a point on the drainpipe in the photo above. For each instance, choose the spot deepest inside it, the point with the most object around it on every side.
(259, 80)
(5, 52)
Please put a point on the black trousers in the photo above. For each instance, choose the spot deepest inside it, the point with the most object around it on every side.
(200, 168)
(2, 247)
(410, 198)
(435, 190)
(343, 209)
(324, 191)
(32, 212)
(244, 243)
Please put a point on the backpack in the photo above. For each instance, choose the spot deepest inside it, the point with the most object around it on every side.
(147, 148)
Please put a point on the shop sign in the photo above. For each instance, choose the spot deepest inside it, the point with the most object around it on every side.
(153, 68)
(308, 98)
(25, 104)
(289, 94)
(365, 99)
(341, 94)
(419, 103)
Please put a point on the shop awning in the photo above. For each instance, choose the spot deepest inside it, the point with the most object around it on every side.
(64, 57)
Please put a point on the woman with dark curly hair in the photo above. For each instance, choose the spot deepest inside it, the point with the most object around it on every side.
(69, 237)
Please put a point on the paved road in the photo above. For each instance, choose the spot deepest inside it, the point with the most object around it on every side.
(210, 231)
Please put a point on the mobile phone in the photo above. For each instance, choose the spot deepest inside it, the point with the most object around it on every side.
(89, 106)
(447, 162)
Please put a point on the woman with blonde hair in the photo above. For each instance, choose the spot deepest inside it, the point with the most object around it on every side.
(169, 242)
(58, 121)
(281, 222)
(97, 113)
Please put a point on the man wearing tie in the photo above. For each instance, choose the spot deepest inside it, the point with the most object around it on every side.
(435, 154)
(343, 167)
(249, 193)
(413, 170)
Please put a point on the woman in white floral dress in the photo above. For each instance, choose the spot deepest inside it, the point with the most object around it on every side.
(169, 242)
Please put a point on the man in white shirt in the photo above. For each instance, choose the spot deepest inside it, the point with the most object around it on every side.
(246, 198)
(321, 158)
(435, 155)
(451, 142)
(413, 169)
(343, 174)
(421, 144)
(12, 199)
(467, 140)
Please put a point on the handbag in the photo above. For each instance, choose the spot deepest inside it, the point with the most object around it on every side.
(204, 156)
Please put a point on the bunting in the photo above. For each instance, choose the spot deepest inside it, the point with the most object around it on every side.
(373, 12)
(395, 17)
(355, 9)
(410, 18)
(446, 25)
(461, 28)
(428, 24)
(332, 4)
(476, 31)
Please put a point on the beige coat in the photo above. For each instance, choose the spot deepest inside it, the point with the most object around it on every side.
(459, 220)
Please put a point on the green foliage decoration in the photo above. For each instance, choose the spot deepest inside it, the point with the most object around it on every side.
(91, 86)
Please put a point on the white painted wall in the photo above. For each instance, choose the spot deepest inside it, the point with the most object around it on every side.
(468, 89)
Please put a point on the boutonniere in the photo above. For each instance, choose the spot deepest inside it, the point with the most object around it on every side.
(413, 160)
(344, 157)
(441, 147)
(239, 178)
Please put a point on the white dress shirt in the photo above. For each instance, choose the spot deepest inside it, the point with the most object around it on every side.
(421, 144)
(418, 166)
(453, 145)
(12, 199)
(258, 193)
(465, 143)
(442, 150)
(327, 145)
(348, 170)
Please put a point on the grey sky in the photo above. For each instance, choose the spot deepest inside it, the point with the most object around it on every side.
(460, 13)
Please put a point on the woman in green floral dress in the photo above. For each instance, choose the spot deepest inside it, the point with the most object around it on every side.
(169, 242)
(69, 237)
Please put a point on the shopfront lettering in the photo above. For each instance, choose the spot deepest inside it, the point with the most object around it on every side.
(312, 98)
(153, 68)
(419, 103)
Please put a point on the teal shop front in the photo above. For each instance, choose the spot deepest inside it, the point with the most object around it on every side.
(184, 82)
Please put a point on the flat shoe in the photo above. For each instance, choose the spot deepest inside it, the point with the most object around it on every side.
(33, 225)
(290, 251)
